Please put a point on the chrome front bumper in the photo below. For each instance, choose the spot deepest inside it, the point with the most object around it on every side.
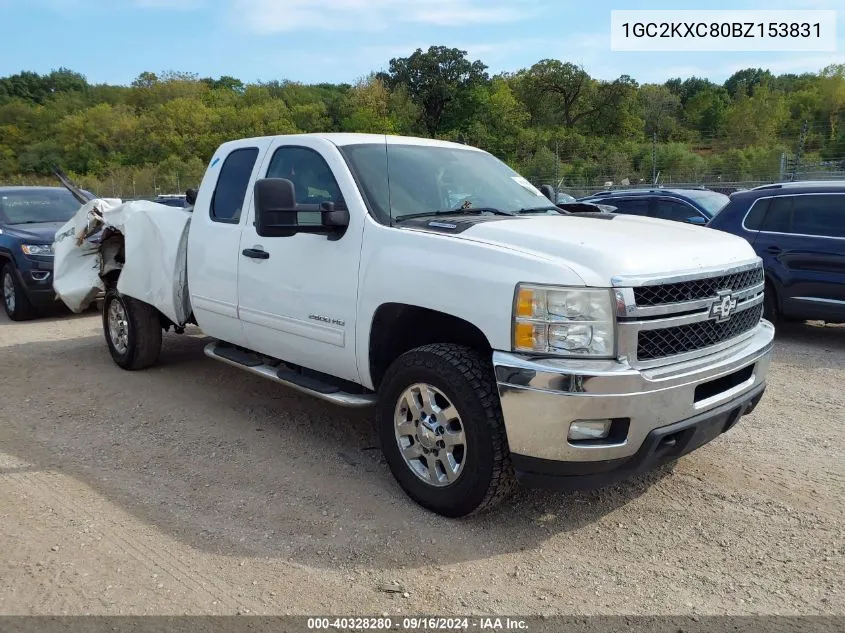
(541, 398)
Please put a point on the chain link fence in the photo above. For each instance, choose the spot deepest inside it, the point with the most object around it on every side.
(826, 171)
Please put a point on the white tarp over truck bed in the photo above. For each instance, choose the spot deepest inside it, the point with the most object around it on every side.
(154, 268)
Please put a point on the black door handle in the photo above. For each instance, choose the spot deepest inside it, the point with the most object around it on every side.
(256, 253)
(774, 250)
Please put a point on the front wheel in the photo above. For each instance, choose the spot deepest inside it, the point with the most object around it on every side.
(15, 301)
(442, 431)
(133, 331)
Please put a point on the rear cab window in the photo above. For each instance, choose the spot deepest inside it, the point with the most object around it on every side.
(230, 191)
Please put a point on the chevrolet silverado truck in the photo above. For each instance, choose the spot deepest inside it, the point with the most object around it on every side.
(499, 337)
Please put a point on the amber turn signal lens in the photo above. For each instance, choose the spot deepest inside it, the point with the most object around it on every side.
(525, 303)
(524, 336)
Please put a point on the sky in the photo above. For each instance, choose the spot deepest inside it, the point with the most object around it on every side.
(113, 41)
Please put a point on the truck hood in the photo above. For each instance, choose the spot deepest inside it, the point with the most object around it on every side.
(603, 246)
(39, 233)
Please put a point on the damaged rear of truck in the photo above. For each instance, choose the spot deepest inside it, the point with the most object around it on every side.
(135, 255)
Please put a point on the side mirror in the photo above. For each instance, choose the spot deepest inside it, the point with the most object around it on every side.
(697, 219)
(334, 218)
(191, 197)
(277, 212)
(548, 191)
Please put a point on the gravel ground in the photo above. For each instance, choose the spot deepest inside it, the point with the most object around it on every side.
(193, 488)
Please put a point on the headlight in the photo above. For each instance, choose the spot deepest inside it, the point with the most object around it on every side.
(564, 321)
(37, 249)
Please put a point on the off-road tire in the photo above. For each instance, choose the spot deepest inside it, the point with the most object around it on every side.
(144, 332)
(467, 380)
(23, 310)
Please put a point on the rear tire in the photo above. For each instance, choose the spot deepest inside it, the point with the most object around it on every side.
(133, 331)
(459, 426)
(15, 301)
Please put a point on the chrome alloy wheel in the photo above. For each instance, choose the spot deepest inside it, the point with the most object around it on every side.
(118, 327)
(430, 435)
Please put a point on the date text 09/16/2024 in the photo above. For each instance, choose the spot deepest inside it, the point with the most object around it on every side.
(418, 623)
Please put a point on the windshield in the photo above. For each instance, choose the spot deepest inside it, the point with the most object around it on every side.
(407, 180)
(711, 201)
(30, 206)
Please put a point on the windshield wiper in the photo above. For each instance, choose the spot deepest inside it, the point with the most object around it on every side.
(459, 211)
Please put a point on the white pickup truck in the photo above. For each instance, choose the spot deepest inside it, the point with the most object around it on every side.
(500, 338)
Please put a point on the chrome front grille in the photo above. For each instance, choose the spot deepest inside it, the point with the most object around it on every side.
(668, 320)
(697, 288)
(682, 339)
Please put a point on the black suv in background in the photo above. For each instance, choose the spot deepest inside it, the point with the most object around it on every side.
(798, 229)
(29, 219)
(696, 206)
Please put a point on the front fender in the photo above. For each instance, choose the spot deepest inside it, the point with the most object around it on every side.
(471, 280)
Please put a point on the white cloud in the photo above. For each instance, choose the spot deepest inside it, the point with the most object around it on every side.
(277, 16)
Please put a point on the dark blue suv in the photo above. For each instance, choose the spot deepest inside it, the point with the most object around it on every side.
(696, 206)
(799, 231)
(29, 219)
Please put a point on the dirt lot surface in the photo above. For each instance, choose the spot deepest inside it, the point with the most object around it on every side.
(193, 488)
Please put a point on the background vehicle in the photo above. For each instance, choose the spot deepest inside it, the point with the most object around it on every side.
(696, 206)
(798, 229)
(29, 218)
(171, 200)
(499, 337)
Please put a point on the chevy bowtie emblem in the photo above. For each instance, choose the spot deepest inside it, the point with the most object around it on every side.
(722, 309)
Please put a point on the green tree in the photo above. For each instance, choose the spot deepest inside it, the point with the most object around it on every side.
(833, 96)
(747, 80)
(756, 119)
(557, 91)
(705, 111)
(439, 81)
(659, 108)
(369, 102)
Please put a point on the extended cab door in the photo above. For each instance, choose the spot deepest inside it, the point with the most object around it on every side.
(297, 294)
(214, 238)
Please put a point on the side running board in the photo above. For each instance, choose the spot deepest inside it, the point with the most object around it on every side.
(281, 373)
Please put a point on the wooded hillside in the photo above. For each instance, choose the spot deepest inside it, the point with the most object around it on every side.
(550, 121)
